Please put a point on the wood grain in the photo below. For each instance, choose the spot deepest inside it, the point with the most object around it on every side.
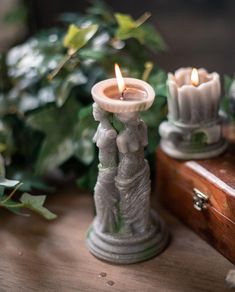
(175, 183)
(40, 256)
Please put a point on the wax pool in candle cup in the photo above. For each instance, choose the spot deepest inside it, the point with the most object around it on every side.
(130, 93)
(126, 92)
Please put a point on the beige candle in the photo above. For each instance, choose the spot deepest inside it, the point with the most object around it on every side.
(194, 96)
(193, 129)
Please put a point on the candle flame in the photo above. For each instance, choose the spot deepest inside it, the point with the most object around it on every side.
(194, 77)
(120, 80)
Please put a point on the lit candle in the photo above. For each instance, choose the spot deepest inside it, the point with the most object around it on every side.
(127, 93)
(194, 96)
(119, 95)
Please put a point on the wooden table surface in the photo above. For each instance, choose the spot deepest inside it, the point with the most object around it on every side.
(36, 255)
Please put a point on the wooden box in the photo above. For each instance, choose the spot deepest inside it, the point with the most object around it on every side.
(202, 195)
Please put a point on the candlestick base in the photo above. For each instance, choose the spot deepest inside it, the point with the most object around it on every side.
(128, 248)
(189, 142)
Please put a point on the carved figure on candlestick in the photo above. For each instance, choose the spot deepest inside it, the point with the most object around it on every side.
(105, 192)
(133, 176)
(126, 230)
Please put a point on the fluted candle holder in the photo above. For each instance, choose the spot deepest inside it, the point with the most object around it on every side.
(193, 129)
(125, 229)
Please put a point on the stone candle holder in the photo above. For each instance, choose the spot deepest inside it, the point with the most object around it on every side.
(125, 229)
(193, 129)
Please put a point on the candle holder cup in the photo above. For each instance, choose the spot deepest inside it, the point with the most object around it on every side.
(125, 229)
(194, 128)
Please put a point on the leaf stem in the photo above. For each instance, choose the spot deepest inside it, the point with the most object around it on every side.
(143, 18)
(66, 58)
(18, 205)
(147, 70)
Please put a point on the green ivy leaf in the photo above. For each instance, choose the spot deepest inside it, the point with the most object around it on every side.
(144, 33)
(128, 28)
(77, 37)
(12, 206)
(58, 125)
(35, 203)
(7, 183)
(125, 22)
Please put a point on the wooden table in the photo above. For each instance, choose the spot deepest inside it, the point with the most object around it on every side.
(37, 255)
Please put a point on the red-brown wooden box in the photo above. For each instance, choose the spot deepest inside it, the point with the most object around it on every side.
(215, 178)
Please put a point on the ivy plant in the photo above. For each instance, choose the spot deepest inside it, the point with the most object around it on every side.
(26, 200)
(45, 101)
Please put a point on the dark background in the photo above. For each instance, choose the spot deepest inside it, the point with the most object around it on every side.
(199, 33)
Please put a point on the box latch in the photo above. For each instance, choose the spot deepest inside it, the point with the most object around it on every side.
(200, 200)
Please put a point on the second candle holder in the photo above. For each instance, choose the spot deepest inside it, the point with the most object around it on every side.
(193, 129)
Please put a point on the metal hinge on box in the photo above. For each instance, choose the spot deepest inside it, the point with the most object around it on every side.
(200, 200)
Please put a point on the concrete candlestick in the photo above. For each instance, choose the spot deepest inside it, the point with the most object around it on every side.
(125, 229)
